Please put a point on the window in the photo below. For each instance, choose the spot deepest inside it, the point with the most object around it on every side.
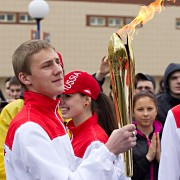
(7, 17)
(108, 21)
(178, 23)
(97, 21)
(128, 20)
(115, 22)
(16, 18)
(25, 18)
(46, 36)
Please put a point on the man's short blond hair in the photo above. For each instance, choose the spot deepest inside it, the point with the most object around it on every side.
(21, 58)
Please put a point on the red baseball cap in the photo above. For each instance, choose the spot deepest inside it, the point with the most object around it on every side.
(81, 82)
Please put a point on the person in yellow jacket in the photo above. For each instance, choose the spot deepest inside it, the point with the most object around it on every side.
(7, 114)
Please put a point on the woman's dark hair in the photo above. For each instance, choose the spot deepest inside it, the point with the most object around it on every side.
(105, 111)
(144, 94)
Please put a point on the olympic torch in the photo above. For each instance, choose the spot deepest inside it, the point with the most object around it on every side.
(122, 69)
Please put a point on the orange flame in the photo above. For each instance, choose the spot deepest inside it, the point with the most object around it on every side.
(146, 13)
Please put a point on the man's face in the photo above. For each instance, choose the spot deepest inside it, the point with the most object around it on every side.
(174, 84)
(144, 86)
(15, 91)
(46, 74)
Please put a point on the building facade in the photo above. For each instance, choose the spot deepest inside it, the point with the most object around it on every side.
(81, 30)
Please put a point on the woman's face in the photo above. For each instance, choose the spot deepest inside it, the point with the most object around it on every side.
(145, 111)
(72, 105)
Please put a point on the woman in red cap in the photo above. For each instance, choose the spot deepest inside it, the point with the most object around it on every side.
(92, 113)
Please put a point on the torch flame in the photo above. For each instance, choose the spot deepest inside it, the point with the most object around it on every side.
(146, 13)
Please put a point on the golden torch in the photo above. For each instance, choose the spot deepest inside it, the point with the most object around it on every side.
(122, 69)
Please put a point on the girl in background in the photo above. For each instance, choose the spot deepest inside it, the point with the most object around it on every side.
(146, 153)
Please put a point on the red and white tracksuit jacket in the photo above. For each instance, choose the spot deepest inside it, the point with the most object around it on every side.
(38, 147)
(169, 167)
(82, 137)
(86, 133)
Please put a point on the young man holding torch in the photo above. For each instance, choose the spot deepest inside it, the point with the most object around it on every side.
(37, 145)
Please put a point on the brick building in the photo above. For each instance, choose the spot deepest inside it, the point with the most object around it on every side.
(81, 29)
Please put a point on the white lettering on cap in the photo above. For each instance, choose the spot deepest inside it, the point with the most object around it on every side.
(72, 79)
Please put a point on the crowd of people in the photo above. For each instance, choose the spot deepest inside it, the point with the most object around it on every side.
(56, 126)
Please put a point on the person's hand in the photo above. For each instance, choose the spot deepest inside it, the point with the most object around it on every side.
(158, 147)
(122, 139)
(152, 148)
(103, 70)
(104, 66)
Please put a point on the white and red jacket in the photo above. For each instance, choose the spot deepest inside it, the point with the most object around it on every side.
(38, 147)
(84, 135)
(169, 167)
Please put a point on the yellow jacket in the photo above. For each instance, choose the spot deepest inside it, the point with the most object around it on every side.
(7, 114)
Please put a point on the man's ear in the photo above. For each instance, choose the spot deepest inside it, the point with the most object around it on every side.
(24, 78)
